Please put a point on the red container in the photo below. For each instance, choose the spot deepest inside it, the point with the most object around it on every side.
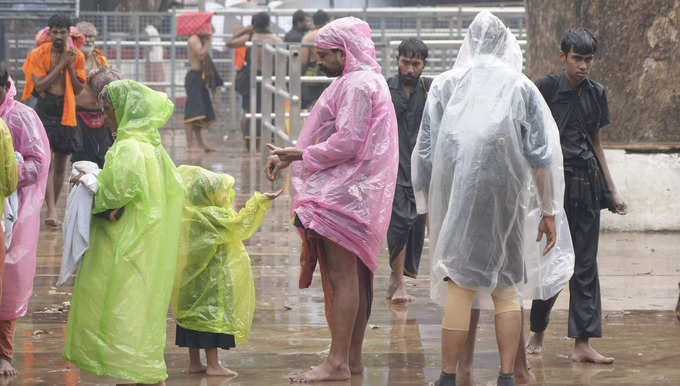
(193, 23)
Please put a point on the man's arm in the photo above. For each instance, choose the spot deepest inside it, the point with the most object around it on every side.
(200, 47)
(621, 205)
(240, 38)
(43, 84)
(306, 52)
(75, 80)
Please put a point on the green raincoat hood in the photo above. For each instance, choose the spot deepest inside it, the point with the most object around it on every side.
(140, 111)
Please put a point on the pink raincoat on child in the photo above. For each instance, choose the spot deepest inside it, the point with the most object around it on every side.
(344, 186)
(29, 138)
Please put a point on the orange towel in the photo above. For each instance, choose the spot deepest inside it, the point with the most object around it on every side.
(99, 58)
(38, 64)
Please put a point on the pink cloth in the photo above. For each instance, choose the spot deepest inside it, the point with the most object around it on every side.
(29, 138)
(344, 186)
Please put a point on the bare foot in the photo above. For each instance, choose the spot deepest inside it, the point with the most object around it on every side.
(194, 369)
(193, 149)
(220, 371)
(464, 378)
(52, 222)
(584, 352)
(524, 377)
(6, 368)
(356, 368)
(208, 149)
(323, 372)
(535, 344)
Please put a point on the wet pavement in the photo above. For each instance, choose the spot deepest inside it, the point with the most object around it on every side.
(639, 276)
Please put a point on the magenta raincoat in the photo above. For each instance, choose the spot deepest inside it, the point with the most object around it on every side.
(344, 186)
(29, 138)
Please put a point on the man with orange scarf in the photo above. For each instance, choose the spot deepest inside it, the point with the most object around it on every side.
(55, 74)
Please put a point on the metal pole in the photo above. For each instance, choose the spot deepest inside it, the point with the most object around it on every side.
(295, 121)
(105, 25)
(266, 93)
(173, 58)
(280, 78)
(254, 56)
(137, 48)
(119, 59)
(232, 89)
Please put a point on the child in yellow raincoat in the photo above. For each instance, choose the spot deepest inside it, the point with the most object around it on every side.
(214, 294)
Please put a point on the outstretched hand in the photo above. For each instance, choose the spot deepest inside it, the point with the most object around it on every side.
(547, 227)
(273, 195)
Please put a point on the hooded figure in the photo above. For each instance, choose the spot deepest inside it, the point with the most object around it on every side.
(30, 140)
(214, 288)
(344, 186)
(486, 140)
(117, 322)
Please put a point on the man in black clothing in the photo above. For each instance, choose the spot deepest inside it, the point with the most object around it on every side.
(406, 232)
(579, 106)
(301, 24)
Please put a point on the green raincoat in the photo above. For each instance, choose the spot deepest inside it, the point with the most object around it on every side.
(214, 289)
(8, 165)
(117, 322)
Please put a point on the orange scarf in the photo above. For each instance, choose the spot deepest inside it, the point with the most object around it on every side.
(99, 58)
(38, 64)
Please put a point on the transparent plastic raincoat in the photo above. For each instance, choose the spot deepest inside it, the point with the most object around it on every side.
(488, 146)
(214, 288)
(344, 186)
(30, 140)
(117, 322)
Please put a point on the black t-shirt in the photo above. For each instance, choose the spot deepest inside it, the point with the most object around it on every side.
(589, 114)
(294, 36)
(409, 112)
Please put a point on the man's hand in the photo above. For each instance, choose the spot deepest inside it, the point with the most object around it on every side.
(621, 206)
(547, 227)
(75, 179)
(286, 154)
(68, 56)
(274, 164)
(273, 195)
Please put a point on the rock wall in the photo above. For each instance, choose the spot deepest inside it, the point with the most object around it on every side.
(638, 59)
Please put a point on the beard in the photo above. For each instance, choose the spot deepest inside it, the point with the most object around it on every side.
(87, 49)
(58, 44)
(408, 80)
(331, 73)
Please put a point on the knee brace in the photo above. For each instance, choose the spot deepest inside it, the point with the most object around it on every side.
(458, 307)
(505, 300)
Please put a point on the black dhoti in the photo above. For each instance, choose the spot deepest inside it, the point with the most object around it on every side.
(406, 230)
(63, 139)
(582, 207)
(199, 339)
(198, 108)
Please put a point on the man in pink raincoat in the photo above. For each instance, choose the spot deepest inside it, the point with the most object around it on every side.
(29, 138)
(343, 175)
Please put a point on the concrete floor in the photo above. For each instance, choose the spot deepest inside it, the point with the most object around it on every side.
(639, 275)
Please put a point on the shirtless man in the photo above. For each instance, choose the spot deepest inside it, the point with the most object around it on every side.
(198, 111)
(311, 92)
(55, 73)
(258, 31)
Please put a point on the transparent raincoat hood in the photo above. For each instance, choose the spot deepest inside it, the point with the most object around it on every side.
(29, 139)
(344, 186)
(214, 289)
(487, 146)
(117, 322)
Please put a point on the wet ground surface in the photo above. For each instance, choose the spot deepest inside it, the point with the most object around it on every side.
(639, 277)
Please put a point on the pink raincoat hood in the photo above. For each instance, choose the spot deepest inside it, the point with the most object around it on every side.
(29, 139)
(344, 186)
(353, 36)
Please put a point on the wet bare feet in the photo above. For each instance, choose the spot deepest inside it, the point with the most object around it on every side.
(52, 222)
(535, 344)
(208, 149)
(584, 352)
(523, 377)
(356, 368)
(6, 368)
(464, 378)
(396, 291)
(195, 369)
(323, 372)
(220, 371)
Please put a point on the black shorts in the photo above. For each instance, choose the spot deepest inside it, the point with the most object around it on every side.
(63, 139)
